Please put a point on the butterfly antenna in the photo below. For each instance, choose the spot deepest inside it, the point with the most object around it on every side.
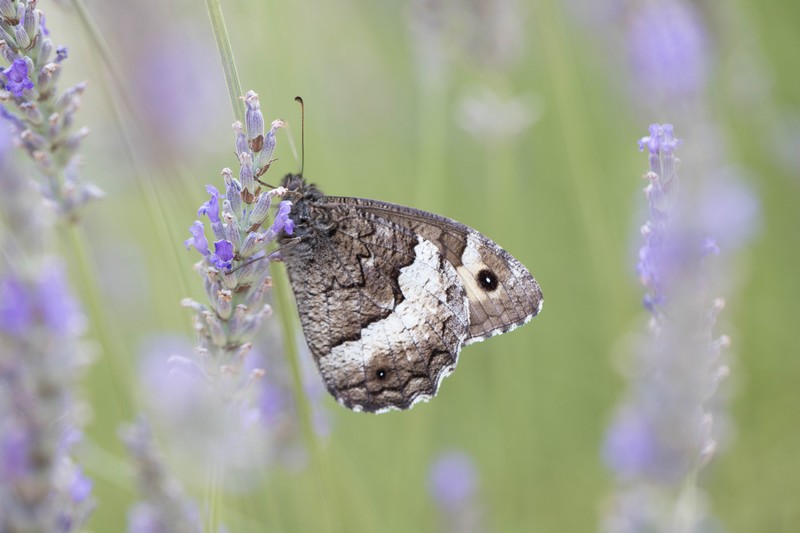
(302, 133)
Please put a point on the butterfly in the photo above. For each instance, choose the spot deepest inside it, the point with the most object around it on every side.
(388, 295)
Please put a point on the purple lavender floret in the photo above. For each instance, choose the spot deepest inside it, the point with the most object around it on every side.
(198, 239)
(223, 255)
(282, 220)
(211, 207)
(17, 80)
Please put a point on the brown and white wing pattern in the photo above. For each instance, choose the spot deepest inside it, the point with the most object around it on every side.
(384, 314)
(388, 295)
(502, 293)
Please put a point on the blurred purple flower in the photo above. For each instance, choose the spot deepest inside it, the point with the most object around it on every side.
(629, 448)
(176, 86)
(48, 300)
(17, 80)
(729, 209)
(663, 431)
(453, 479)
(668, 49)
(81, 486)
(42, 25)
(58, 308)
(14, 453)
(16, 311)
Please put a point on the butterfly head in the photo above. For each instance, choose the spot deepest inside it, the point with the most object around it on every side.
(299, 189)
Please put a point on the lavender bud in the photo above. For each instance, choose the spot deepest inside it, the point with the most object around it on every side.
(70, 98)
(224, 307)
(214, 328)
(232, 233)
(21, 37)
(8, 53)
(32, 113)
(233, 190)
(254, 121)
(8, 12)
(237, 320)
(241, 138)
(260, 210)
(258, 292)
(45, 51)
(250, 245)
(31, 21)
(246, 177)
(73, 141)
(264, 157)
(250, 271)
(230, 279)
(48, 76)
(32, 141)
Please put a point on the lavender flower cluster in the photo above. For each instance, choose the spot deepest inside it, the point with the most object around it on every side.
(41, 488)
(235, 276)
(663, 432)
(42, 355)
(42, 119)
(222, 378)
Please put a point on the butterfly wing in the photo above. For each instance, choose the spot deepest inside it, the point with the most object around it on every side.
(502, 293)
(383, 313)
(388, 296)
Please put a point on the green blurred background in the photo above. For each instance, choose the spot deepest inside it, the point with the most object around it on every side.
(554, 177)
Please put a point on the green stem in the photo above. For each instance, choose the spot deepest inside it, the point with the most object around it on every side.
(235, 92)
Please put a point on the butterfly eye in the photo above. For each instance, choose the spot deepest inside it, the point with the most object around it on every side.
(381, 373)
(487, 280)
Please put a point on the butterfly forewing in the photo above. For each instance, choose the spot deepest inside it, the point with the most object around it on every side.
(502, 293)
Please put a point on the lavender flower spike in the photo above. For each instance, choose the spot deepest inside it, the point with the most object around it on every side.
(41, 488)
(663, 432)
(221, 376)
(42, 119)
(42, 357)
